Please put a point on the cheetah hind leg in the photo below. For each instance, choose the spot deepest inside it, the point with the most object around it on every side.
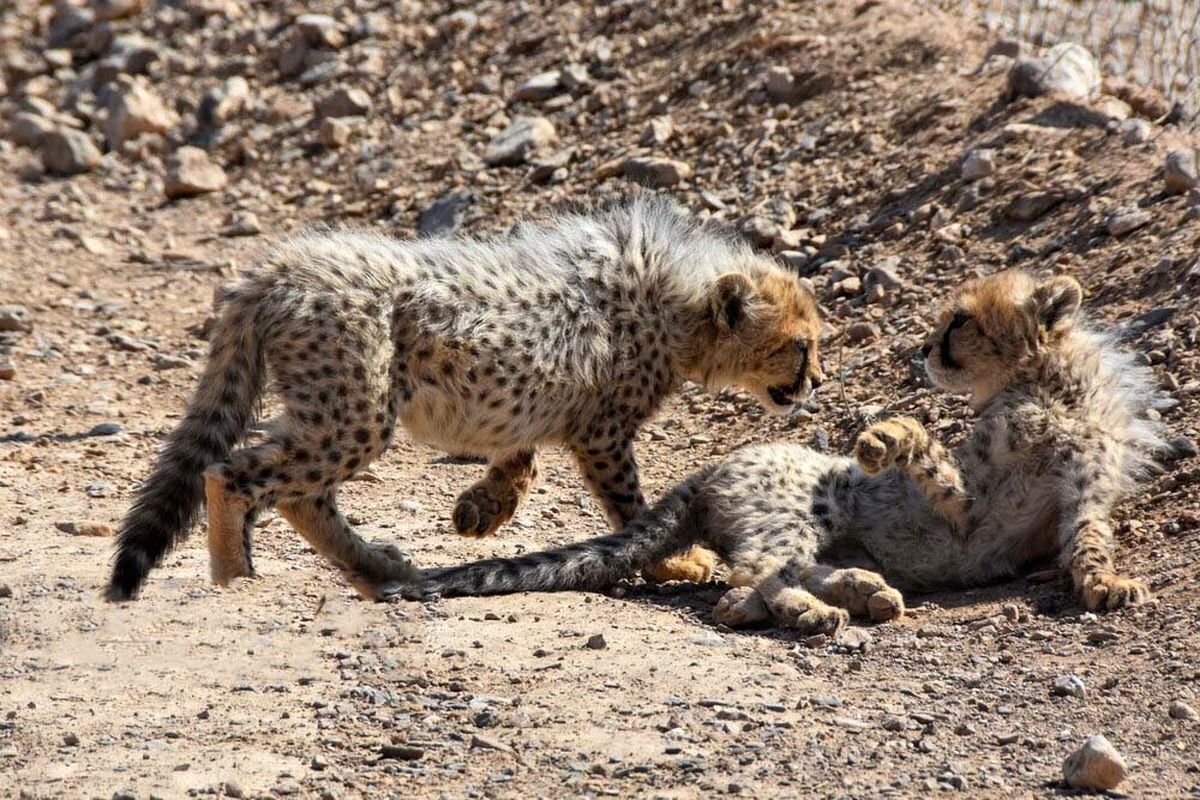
(230, 520)
(492, 501)
(696, 565)
(860, 591)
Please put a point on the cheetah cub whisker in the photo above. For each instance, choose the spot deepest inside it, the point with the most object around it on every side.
(572, 332)
(1062, 435)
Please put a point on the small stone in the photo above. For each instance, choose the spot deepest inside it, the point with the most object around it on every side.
(68, 152)
(70, 740)
(481, 741)
(135, 110)
(233, 790)
(1181, 171)
(847, 287)
(709, 639)
(657, 132)
(320, 30)
(1067, 69)
(446, 214)
(222, 103)
(164, 362)
(5, 590)
(15, 318)
(855, 639)
(1028, 207)
(242, 223)
(519, 140)
(596, 642)
(108, 10)
(1126, 220)
(190, 173)
(795, 260)
(862, 332)
(1135, 131)
(1068, 686)
(97, 529)
(656, 172)
(1096, 766)
(540, 87)
(105, 429)
(893, 723)
(334, 133)
(401, 752)
(1181, 710)
(343, 102)
(978, 164)
(28, 130)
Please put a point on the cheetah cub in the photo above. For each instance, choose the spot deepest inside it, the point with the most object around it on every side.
(1061, 437)
(571, 333)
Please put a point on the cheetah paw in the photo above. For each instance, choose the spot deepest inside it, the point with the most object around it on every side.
(885, 605)
(741, 606)
(1107, 591)
(813, 619)
(482, 509)
(696, 565)
(892, 442)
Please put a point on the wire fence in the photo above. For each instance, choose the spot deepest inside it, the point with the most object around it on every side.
(1154, 43)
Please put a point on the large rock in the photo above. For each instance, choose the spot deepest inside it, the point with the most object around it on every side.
(68, 152)
(1066, 69)
(519, 140)
(657, 172)
(15, 318)
(136, 110)
(1180, 170)
(190, 172)
(1097, 766)
(28, 130)
(343, 102)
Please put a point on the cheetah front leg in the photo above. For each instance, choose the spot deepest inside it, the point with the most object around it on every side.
(612, 476)
(1086, 542)
(492, 501)
(903, 443)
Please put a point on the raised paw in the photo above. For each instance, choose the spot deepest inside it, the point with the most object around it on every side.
(741, 606)
(1107, 591)
(696, 565)
(892, 442)
(482, 509)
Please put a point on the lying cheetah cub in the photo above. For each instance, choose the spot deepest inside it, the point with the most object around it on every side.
(1061, 436)
(573, 333)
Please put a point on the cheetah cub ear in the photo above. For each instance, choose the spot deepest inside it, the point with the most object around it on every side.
(1056, 303)
(730, 298)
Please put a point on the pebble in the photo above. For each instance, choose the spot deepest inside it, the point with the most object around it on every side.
(100, 529)
(1181, 710)
(401, 752)
(978, 164)
(481, 741)
(656, 172)
(1096, 766)
(596, 642)
(1124, 221)
(334, 133)
(1067, 70)
(855, 639)
(1180, 170)
(862, 332)
(135, 110)
(540, 87)
(191, 173)
(708, 639)
(657, 132)
(221, 103)
(446, 214)
(109, 10)
(343, 102)
(1031, 205)
(1135, 131)
(105, 429)
(15, 318)
(68, 152)
(518, 141)
(1068, 686)
(5, 590)
(242, 223)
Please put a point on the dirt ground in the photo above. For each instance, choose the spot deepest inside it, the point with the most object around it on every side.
(288, 685)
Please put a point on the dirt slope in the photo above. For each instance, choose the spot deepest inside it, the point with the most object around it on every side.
(288, 685)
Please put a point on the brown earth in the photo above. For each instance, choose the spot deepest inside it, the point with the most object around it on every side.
(290, 685)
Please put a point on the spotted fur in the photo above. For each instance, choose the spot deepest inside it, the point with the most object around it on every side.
(571, 332)
(1062, 434)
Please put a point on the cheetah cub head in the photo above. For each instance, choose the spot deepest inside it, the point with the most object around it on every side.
(766, 330)
(996, 326)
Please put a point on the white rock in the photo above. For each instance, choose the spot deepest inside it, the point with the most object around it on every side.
(657, 172)
(1127, 220)
(189, 173)
(1067, 69)
(1096, 766)
(542, 86)
(137, 110)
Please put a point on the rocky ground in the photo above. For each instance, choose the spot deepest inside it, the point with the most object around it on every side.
(878, 147)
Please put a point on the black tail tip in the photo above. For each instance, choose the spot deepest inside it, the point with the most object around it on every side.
(129, 573)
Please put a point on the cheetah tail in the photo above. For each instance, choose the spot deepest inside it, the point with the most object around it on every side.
(597, 563)
(217, 416)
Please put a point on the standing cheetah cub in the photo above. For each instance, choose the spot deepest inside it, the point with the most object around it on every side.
(1061, 436)
(574, 333)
